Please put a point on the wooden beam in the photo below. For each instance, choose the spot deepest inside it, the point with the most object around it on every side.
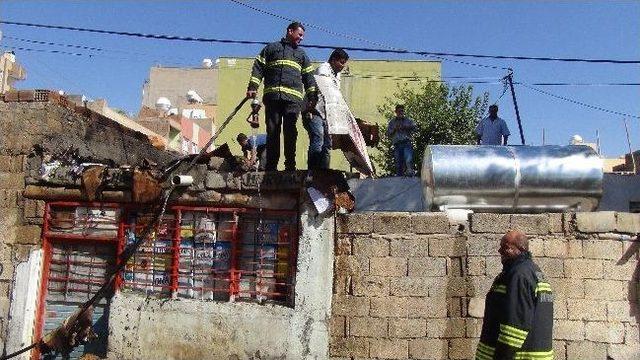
(71, 194)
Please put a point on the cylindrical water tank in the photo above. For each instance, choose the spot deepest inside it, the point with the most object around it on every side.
(512, 178)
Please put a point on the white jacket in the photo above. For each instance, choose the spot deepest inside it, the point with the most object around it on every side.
(325, 70)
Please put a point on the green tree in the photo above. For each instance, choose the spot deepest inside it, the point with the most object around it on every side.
(444, 115)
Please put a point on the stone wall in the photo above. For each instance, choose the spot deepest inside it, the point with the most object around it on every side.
(24, 125)
(412, 285)
(19, 227)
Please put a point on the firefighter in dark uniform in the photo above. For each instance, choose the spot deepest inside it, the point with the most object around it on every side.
(286, 69)
(518, 315)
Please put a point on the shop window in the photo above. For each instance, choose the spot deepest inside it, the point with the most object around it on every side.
(80, 247)
(216, 254)
(200, 253)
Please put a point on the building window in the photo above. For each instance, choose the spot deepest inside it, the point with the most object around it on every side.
(200, 253)
(80, 253)
(204, 253)
(215, 254)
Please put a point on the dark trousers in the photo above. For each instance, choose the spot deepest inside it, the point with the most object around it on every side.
(281, 114)
(261, 154)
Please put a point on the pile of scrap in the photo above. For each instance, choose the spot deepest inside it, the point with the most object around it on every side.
(218, 179)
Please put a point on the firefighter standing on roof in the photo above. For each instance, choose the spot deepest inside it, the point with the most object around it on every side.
(285, 69)
(518, 315)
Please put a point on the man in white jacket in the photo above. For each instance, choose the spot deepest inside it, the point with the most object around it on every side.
(314, 120)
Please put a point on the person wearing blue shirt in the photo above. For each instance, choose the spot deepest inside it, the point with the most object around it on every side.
(492, 130)
(253, 148)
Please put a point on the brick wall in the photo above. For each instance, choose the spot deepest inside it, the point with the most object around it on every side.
(412, 286)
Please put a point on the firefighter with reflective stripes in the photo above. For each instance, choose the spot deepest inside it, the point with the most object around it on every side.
(287, 72)
(518, 315)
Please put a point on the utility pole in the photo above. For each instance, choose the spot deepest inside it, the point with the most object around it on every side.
(3, 59)
(515, 104)
(5, 68)
(633, 158)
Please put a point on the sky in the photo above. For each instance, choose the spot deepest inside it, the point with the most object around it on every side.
(568, 29)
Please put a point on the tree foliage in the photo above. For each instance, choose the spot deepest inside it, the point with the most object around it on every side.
(444, 116)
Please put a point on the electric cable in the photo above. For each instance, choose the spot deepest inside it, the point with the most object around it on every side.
(363, 49)
(100, 50)
(44, 51)
(594, 107)
(505, 86)
(421, 79)
(92, 56)
(357, 38)
(583, 84)
(481, 56)
(40, 42)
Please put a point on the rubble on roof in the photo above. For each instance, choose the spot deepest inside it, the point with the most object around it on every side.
(219, 178)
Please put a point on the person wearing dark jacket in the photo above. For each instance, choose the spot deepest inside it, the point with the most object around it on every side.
(518, 315)
(287, 72)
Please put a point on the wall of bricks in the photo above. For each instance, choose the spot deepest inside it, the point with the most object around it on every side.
(412, 285)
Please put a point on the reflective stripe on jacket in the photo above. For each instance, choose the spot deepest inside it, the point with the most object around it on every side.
(286, 70)
(518, 315)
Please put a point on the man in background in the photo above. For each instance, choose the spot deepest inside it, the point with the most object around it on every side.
(253, 148)
(400, 130)
(492, 130)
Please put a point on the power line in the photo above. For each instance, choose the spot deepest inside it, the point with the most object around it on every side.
(46, 51)
(323, 29)
(582, 84)
(422, 79)
(594, 107)
(53, 43)
(481, 56)
(101, 50)
(134, 34)
(93, 56)
(454, 79)
(358, 38)
(364, 49)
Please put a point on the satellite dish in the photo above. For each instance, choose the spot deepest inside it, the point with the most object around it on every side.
(163, 104)
(192, 96)
(576, 140)
(207, 63)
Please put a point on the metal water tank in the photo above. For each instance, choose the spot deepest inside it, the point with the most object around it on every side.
(512, 178)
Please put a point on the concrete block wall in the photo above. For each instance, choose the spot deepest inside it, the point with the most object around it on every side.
(149, 328)
(412, 285)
